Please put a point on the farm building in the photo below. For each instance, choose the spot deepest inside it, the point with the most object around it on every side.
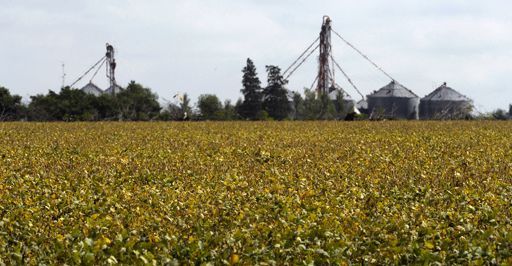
(393, 101)
(445, 103)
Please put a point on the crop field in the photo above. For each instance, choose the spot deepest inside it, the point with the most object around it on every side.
(256, 193)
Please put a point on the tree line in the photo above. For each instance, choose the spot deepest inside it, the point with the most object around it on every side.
(133, 103)
(139, 103)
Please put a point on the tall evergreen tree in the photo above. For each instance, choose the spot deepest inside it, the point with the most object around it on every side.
(252, 103)
(275, 96)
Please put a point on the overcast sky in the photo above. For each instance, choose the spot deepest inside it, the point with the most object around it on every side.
(200, 46)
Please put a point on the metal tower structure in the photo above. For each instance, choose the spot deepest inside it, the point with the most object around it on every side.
(325, 80)
(325, 77)
(111, 66)
(109, 60)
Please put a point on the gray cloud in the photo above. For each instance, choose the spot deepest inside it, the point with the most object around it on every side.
(200, 46)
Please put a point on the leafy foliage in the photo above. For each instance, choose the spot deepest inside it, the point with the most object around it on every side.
(185, 108)
(321, 107)
(229, 111)
(10, 105)
(67, 105)
(137, 103)
(248, 193)
(133, 103)
(210, 107)
(500, 114)
(299, 111)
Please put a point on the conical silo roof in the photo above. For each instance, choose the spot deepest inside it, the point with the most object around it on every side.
(393, 89)
(91, 88)
(445, 93)
(114, 89)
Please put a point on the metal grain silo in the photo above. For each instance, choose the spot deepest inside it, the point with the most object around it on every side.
(91, 88)
(393, 101)
(113, 89)
(445, 103)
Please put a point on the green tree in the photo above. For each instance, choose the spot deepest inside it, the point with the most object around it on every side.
(339, 105)
(298, 106)
(328, 111)
(133, 103)
(238, 107)
(312, 105)
(210, 107)
(275, 96)
(323, 107)
(186, 110)
(172, 112)
(67, 105)
(76, 105)
(500, 114)
(252, 103)
(229, 111)
(137, 103)
(10, 105)
(106, 106)
(44, 107)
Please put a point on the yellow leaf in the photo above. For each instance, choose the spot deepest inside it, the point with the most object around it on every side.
(234, 259)
(429, 245)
